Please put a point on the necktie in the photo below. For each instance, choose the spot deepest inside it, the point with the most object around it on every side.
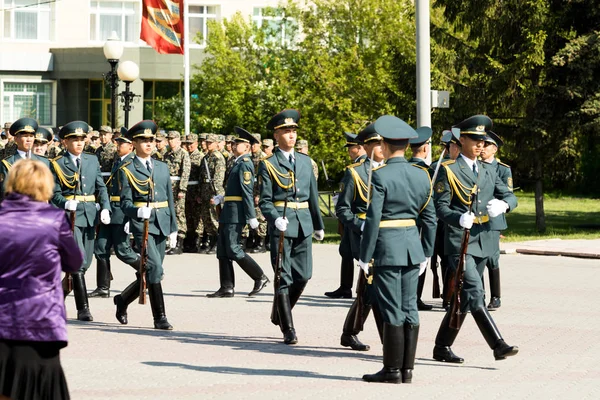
(475, 169)
(148, 166)
(78, 162)
(292, 162)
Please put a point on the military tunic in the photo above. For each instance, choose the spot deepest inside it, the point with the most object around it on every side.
(179, 167)
(135, 193)
(7, 163)
(215, 163)
(401, 195)
(303, 214)
(453, 188)
(88, 189)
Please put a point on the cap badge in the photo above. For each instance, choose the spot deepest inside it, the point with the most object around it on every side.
(78, 131)
(39, 136)
(147, 131)
(289, 121)
(480, 128)
(28, 128)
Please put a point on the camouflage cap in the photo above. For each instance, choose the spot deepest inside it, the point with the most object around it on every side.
(7, 125)
(211, 137)
(191, 138)
(257, 137)
(105, 128)
(221, 138)
(267, 142)
(300, 144)
(161, 135)
(94, 134)
(203, 136)
(229, 138)
(174, 135)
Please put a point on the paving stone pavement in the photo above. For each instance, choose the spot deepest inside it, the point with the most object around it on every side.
(228, 348)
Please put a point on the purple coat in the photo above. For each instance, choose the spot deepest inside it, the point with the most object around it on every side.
(36, 243)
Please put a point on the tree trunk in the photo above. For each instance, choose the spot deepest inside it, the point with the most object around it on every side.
(540, 216)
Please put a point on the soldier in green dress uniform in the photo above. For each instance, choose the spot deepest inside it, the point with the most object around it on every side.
(23, 131)
(420, 147)
(116, 234)
(497, 224)
(81, 188)
(401, 194)
(467, 193)
(147, 195)
(238, 209)
(287, 176)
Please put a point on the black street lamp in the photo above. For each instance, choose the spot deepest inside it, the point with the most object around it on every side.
(113, 50)
(128, 72)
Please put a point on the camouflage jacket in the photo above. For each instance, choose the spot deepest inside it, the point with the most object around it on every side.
(256, 158)
(216, 166)
(195, 165)
(9, 150)
(160, 154)
(106, 156)
(179, 165)
(55, 151)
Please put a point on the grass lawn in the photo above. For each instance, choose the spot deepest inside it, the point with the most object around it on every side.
(566, 218)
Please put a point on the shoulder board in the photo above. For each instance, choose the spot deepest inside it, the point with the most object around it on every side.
(57, 158)
(126, 164)
(504, 165)
(267, 157)
(420, 167)
(448, 162)
(381, 166)
(356, 164)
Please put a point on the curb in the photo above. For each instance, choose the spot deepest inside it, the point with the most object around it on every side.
(595, 256)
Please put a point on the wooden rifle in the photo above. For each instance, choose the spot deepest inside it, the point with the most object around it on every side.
(278, 266)
(144, 247)
(436, 279)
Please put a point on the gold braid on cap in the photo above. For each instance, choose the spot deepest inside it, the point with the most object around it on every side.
(138, 183)
(459, 188)
(69, 181)
(275, 175)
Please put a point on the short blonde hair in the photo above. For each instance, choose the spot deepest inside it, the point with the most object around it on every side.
(31, 178)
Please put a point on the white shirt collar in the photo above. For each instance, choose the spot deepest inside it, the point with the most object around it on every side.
(124, 156)
(143, 160)
(287, 155)
(74, 158)
(470, 162)
(377, 164)
(23, 154)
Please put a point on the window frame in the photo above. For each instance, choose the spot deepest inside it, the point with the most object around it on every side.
(52, 100)
(122, 13)
(283, 19)
(38, 9)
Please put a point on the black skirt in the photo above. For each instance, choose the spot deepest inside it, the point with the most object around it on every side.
(31, 370)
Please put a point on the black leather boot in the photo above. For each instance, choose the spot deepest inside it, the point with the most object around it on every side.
(157, 302)
(393, 356)
(259, 245)
(444, 339)
(178, 249)
(285, 319)
(127, 296)
(295, 291)
(346, 277)
(102, 279)
(492, 335)
(349, 338)
(411, 336)
(494, 289)
(227, 279)
(255, 272)
(212, 245)
(81, 299)
(420, 305)
(203, 243)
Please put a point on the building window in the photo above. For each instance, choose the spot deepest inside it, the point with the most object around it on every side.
(199, 16)
(99, 104)
(27, 19)
(155, 91)
(277, 27)
(33, 100)
(118, 16)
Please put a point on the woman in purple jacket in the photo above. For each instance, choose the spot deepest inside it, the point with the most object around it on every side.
(36, 245)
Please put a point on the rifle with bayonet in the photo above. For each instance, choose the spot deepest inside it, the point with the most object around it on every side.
(436, 279)
(144, 245)
(212, 185)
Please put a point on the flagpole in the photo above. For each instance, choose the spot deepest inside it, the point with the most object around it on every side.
(186, 66)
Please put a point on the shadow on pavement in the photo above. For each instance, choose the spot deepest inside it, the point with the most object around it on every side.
(248, 371)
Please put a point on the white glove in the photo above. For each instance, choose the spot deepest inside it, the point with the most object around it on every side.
(496, 207)
(218, 199)
(144, 212)
(466, 220)
(334, 199)
(319, 235)
(364, 266)
(282, 223)
(71, 205)
(173, 240)
(423, 265)
(97, 207)
(362, 226)
(126, 228)
(105, 217)
(253, 222)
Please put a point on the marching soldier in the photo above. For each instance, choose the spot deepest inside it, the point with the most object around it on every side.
(23, 132)
(43, 137)
(178, 161)
(238, 208)
(492, 143)
(302, 147)
(78, 175)
(401, 194)
(351, 208)
(147, 195)
(267, 146)
(116, 233)
(161, 146)
(467, 194)
(192, 198)
(107, 151)
(420, 147)
(287, 182)
(212, 175)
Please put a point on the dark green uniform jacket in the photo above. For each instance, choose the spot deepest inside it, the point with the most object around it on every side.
(401, 192)
(7, 163)
(114, 190)
(239, 198)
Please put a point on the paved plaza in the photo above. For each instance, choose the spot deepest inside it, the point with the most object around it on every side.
(228, 348)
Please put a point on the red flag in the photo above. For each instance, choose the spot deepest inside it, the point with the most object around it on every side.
(162, 25)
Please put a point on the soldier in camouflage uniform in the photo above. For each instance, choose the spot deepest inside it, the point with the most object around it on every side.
(178, 161)
(106, 152)
(202, 142)
(302, 147)
(267, 146)
(211, 184)
(192, 198)
(229, 142)
(10, 148)
(57, 150)
(94, 143)
(161, 146)
(259, 234)
(229, 161)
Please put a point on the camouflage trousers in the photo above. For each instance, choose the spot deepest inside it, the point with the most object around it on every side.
(193, 208)
(208, 213)
(180, 213)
